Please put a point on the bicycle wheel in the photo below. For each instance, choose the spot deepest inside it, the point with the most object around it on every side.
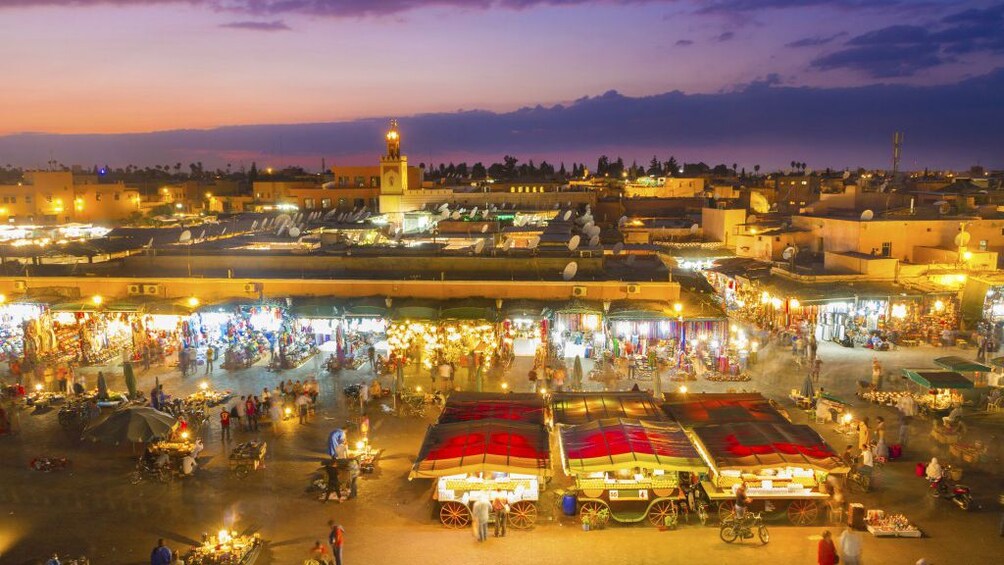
(764, 534)
(728, 532)
(702, 513)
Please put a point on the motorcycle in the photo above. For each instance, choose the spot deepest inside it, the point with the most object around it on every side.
(733, 528)
(947, 488)
(145, 470)
(46, 464)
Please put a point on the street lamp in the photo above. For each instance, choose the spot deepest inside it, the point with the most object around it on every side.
(678, 307)
(193, 302)
(97, 299)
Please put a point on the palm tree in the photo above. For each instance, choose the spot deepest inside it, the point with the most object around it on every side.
(756, 169)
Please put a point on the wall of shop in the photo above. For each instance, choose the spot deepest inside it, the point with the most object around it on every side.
(874, 267)
(209, 289)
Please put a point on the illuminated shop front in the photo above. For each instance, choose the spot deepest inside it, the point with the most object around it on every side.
(578, 329)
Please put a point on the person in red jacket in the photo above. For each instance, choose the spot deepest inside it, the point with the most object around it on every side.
(225, 423)
(827, 552)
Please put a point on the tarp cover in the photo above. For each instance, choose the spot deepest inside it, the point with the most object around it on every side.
(575, 408)
(615, 444)
(723, 408)
(483, 446)
(938, 379)
(753, 445)
(955, 363)
(515, 407)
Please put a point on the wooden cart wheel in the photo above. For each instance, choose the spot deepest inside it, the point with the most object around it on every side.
(454, 515)
(659, 511)
(594, 508)
(726, 509)
(523, 515)
(803, 512)
(242, 470)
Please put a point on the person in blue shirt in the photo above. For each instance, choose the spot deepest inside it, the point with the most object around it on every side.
(161, 555)
(337, 437)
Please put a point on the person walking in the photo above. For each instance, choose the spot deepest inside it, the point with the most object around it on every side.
(481, 513)
(210, 359)
(880, 429)
(864, 434)
(336, 538)
(817, 367)
(275, 415)
(301, 406)
(333, 484)
(904, 430)
(353, 478)
(161, 555)
(242, 414)
(225, 424)
(251, 410)
(183, 361)
(850, 547)
(235, 414)
(501, 508)
(826, 552)
(876, 373)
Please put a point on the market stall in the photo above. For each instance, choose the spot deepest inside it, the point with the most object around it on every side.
(13, 316)
(784, 467)
(485, 458)
(577, 330)
(576, 408)
(937, 392)
(422, 336)
(976, 372)
(225, 548)
(364, 323)
(630, 470)
(525, 329)
(244, 330)
(526, 407)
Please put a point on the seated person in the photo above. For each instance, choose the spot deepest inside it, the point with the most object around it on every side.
(162, 461)
(953, 418)
(188, 465)
(197, 448)
(375, 389)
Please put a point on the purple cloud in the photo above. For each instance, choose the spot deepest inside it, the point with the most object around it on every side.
(684, 43)
(814, 41)
(727, 36)
(277, 25)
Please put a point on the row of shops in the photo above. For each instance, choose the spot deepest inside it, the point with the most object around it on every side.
(630, 458)
(863, 314)
(242, 332)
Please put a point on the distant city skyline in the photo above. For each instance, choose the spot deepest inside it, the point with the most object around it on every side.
(873, 67)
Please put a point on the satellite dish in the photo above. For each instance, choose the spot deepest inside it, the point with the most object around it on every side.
(479, 247)
(573, 243)
(202, 235)
(962, 239)
(556, 205)
(694, 228)
(630, 259)
(533, 243)
(185, 236)
(294, 232)
(329, 186)
(484, 228)
(847, 175)
(594, 241)
(622, 221)
(569, 272)
(281, 219)
(567, 216)
(474, 212)
(595, 230)
(455, 215)
(587, 225)
(618, 248)
(789, 253)
(254, 224)
(507, 245)
(867, 215)
(587, 217)
(444, 206)
(944, 208)
(751, 219)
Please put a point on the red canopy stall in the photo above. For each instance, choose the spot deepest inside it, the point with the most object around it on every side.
(485, 458)
(575, 408)
(629, 469)
(472, 406)
(705, 409)
(776, 462)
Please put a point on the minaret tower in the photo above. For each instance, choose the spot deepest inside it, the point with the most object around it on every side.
(393, 165)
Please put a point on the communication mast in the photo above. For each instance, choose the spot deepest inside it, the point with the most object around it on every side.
(897, 152)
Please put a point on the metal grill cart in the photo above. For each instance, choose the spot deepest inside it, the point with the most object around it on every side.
(629, 470)
(485, 457)
(784, 467)
(248, 456)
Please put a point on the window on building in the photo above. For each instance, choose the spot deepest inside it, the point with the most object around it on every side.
(48, 198)
(117, 196)
(360, 182)
(6, 200)
(27, 200)
(308, 203)
(326, 203)
(887, 249)
(983, 245)
(374, 182)
(13, 199)
(97, 196)
(341, 202)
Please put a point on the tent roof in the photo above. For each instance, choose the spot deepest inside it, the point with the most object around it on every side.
(76, 306)
(630, 310)
(227, 305)
(514, 407)
(933, 378)
(574, 408)
(579, 307)
(535, 309)
(720, 408)
(369, 307)
(469, 309)
(416, 310)
(759, 444)
(483, 446)
(615, 444)
(955, 363)
(315, 307)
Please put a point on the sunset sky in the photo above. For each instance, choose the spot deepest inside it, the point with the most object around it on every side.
(115, 66)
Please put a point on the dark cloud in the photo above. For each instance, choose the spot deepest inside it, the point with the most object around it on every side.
(947, 126)
(277, 25)
(734, 6)
(815, 40)
(904, 50)
(684, 43)
(727, 36)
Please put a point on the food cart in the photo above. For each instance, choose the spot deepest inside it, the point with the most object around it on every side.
(937, 391)
(629, 470)
(248, 456)
(225, 548)
(784, 467)
(486, 457)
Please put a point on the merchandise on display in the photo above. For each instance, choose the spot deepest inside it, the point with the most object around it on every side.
(225, 548)
(880, 524)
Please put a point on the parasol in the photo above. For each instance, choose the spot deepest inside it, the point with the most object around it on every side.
(808, 390)
(132, 424)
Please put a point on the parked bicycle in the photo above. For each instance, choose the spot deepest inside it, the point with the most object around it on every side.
(734, 528)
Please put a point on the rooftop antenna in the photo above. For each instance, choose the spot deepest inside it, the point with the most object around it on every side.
(573, 243)
(569, 271)
(897, 152)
